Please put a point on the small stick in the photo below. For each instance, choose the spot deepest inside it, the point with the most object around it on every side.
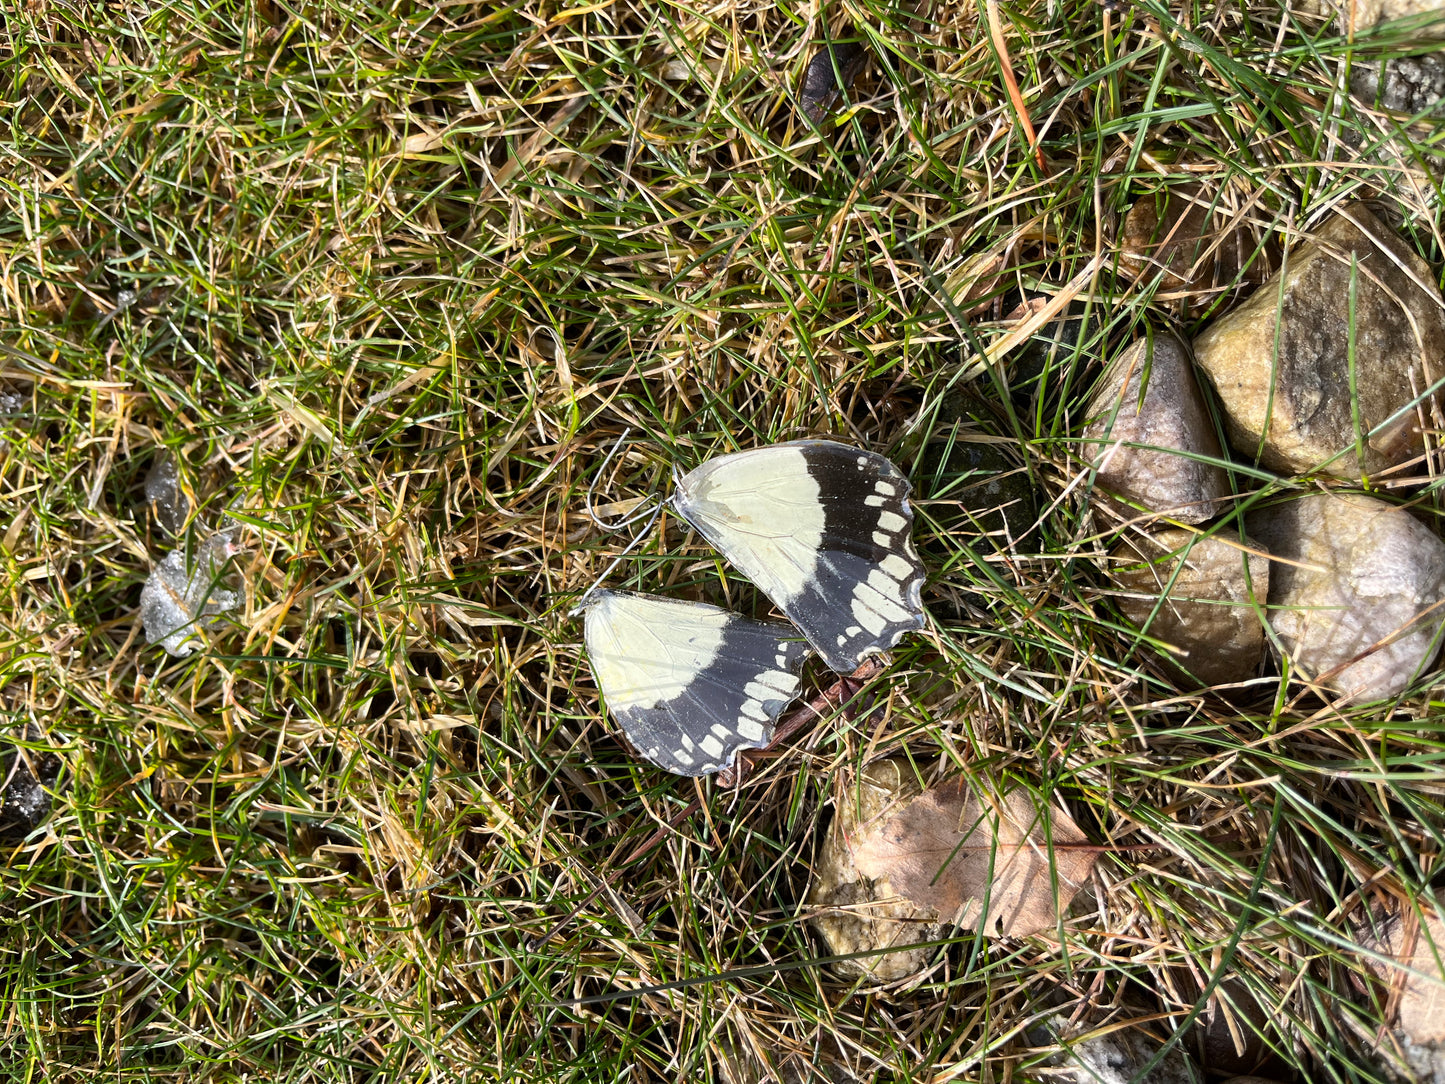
(830, 699)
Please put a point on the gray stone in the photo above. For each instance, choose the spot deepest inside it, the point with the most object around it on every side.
(1115, 1057)
(977, 486)
(178, 598)
(1281, 362)
(26, 782)
(1209, 614)
(852, 912)
(1169, 419)
(1353, 591)
(163, 489)
(829, 74)
(1403, 84)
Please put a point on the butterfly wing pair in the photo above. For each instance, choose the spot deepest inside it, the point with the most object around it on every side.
(825, 531)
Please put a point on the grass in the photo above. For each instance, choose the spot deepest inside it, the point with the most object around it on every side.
(388, 281)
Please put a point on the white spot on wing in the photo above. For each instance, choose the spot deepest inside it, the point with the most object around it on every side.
(866, 616)
(873, 501)
(877, 602)
(712, 747)
(892, 521)
(772, 685)
(750, 730)
(754, 710)
(898, 566)
(882, 540)
(888, 489)
(681, 757)
(884, 584)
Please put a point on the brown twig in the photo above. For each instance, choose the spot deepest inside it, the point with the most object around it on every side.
(833, 698)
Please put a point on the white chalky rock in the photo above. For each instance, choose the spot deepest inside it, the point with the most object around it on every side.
(1114, 1057)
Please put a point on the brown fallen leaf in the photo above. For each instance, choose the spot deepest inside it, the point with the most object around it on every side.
(962, 840)
(1196, 240)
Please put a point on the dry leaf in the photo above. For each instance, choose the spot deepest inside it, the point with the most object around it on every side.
(830, 72)
(175, 600)
(855, 914)
(961, 841)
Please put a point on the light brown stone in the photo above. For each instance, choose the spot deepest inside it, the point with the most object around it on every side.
(1209, 614)
(1281, 362)
(1352, 16)
(1354, 591)
(1407, 953)
(1144, 446)
(1195, 239)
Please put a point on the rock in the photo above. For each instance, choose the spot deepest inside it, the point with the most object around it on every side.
(1187, 233)
(171, 505)
(1209, 614)
(1072, 337)
(1417, 948)
(1115, 1057)
(1356, 15)
(1301, 407)
(1380, 573)
(1171, 415)
(25, 793)
(830, 72)
(852, 913)
(1404, 84)
(178, 598)
(1232, 1034)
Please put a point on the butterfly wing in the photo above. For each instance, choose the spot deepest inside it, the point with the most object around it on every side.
(825, 531)
(690, 684)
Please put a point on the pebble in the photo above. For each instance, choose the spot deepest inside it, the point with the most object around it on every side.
(1379, 571)
(1208, 615)
(25, 797)
(1354, 16)
(1415, 972)
(1171, 415)
(1186, 232)
(1115, 1057)
(1298, 411)
(1405, 84)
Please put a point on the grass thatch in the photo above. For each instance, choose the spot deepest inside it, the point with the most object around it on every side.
(388, 281)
